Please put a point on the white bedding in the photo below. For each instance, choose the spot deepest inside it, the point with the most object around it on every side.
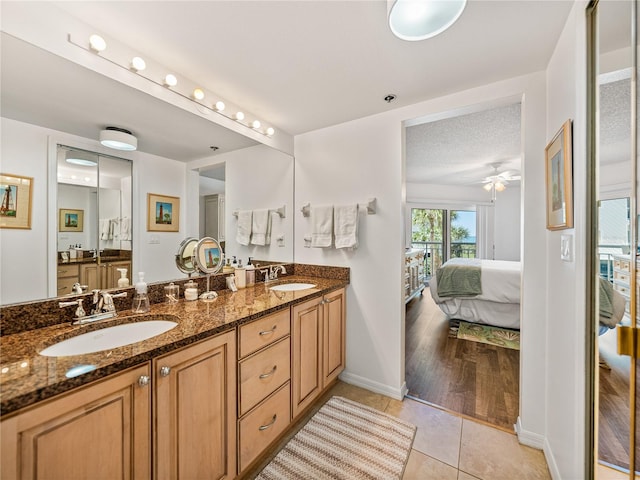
(499, 303)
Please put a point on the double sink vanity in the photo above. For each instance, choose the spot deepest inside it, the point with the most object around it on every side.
(204, 396)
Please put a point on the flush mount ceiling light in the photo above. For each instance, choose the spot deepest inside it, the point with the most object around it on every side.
(118, 138)
(415, 20)
(83, 159)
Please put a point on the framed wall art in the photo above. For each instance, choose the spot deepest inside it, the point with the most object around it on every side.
(163, 213)
(15, 209)
(559, 180)
(70, 220)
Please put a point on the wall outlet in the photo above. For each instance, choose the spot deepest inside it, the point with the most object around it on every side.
(280, 240)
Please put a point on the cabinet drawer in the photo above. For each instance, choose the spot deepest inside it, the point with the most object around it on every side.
(264, 425)
(621, 276)
(258, 334)
(68, 271)
(622, 289)
(65, 284)
(619, 264)
(263, 373)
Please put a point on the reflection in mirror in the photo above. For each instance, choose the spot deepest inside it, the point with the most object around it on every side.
(94, 241)
(614, 257)
(208, 255)
(184, 256)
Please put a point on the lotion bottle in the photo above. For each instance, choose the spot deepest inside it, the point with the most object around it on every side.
(251, 273)
(240, 275)
(140, 299)
(123, 281)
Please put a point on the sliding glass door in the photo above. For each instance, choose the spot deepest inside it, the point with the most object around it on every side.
(443, 234)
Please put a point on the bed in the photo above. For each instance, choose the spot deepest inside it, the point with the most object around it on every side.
(497, 300)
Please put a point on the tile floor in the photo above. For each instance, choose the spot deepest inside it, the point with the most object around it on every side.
(448, 447)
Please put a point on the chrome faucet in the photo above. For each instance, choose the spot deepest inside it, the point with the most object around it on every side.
(101, 309)
(271, 273)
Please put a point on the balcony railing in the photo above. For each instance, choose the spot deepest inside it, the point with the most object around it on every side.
(434, 253)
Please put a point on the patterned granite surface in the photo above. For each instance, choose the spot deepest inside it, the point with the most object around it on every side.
(27, 377)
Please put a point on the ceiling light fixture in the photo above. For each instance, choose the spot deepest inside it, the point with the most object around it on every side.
(138, 64)
(198, 94)
(118, 138)
(170, 80)
(414, 20)
(97, 43)
(255, 124)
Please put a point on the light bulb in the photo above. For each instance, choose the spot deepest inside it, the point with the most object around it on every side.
(500, 187)
(138, 64)
(97, 43)
(270, 131)
(487, 187)
(198, 94)
(219, 106)
(239, 116)
(170, 80)
(87, 179)
(255, 124)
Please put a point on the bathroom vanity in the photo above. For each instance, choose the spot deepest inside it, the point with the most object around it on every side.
(205, 399)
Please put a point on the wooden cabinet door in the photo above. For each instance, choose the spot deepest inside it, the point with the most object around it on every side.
(306, 355)
(90, 275)
(113, 275)
(194, 412)
(333, 337)
(102, 431)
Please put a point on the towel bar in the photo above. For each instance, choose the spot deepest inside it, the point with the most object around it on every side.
(369, 205)
(280, 211)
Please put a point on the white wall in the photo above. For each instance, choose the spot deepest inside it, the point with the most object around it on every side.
(566, 301)
(352, 161)
(507, 224)
(257, 178)
(24, 151)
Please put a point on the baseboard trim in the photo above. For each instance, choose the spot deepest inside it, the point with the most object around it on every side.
(376, 387)
(551, 461)
(530, 439)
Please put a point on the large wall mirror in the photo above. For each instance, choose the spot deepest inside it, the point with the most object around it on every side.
(174, 146)
(614, 236)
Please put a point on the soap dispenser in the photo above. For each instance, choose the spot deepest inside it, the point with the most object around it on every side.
(251, 273)
(140, 298)
(240, 275)
(123, 281)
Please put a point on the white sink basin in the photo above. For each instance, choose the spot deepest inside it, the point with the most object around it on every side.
(108, 338)
(292, 287)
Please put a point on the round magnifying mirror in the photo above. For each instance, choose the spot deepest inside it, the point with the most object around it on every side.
(208, 255)
(184, 257)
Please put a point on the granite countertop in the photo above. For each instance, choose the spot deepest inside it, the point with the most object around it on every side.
(76, 261)
(28, 377)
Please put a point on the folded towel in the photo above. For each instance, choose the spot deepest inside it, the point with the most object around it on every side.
(322, 226)
(345, 220)
(115, 228)
(105, 228)
(243, 233)
(261, 229)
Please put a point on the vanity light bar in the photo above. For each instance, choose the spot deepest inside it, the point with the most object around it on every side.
(97, 45)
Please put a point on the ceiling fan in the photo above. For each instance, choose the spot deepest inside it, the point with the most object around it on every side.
(499, 181)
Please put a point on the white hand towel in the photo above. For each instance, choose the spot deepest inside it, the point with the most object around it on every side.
(125, 229)
(105, 226)
(243, 233)
(261, 230)
(345, 219)
(322, 226)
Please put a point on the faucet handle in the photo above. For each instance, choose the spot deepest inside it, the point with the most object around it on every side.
(80, 311)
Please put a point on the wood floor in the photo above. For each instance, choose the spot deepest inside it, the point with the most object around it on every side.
(471, 378)
(613, 422)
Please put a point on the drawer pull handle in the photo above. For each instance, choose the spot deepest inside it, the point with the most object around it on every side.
(267, 375)
(267, 332)
(268, 425)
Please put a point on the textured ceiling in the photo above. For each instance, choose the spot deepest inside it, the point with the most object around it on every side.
(460, 150)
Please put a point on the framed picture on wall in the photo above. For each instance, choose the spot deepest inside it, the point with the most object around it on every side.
(70, 220)
(559, 179)
(15, 209)
(163, 213)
